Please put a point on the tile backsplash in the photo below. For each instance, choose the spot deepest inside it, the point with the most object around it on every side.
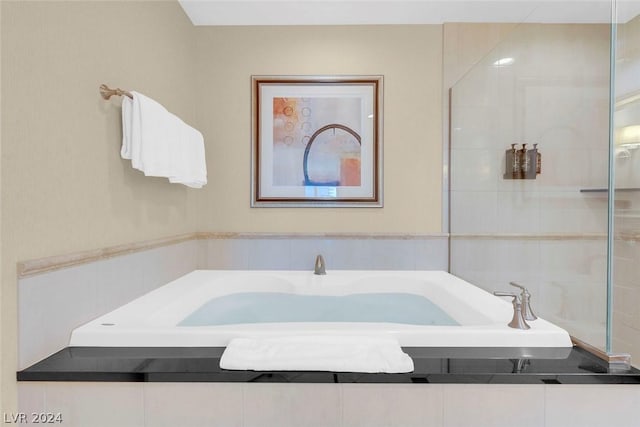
(54, 302)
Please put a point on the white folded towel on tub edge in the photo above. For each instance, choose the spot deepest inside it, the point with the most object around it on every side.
(333, 353)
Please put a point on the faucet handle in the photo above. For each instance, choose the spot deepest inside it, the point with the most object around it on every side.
(527, 311)
(518, 286)
(515, 297)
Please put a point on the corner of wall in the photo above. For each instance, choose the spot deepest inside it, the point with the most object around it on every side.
(3, 404)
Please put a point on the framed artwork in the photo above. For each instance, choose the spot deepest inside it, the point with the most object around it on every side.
(317, 141)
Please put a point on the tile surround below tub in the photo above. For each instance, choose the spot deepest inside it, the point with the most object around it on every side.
(292, 405)
(392, 405)
(520, 405)
(592, 406)
(194, 404)
(94, 404)
(346, 405)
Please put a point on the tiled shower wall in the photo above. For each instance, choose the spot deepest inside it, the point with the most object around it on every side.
(565, 275)
(52, 303)
(545, 233)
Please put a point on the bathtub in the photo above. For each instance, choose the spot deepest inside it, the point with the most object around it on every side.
(157, 318)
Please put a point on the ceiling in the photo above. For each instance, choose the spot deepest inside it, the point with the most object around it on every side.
(371, 12)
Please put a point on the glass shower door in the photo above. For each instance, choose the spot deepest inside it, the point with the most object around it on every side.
(625, 209)
(544, 85)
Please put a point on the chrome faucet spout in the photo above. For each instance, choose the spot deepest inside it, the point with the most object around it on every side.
(517, 322)
(320, 267)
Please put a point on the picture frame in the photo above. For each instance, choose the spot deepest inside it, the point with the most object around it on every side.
(316, 141)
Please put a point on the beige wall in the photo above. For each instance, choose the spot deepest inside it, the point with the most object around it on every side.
(2, 400)
(64, 186)
(409, 57)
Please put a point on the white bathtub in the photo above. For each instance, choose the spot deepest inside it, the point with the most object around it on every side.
(152, 320)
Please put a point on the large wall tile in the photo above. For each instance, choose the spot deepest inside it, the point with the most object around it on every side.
(97, 404)
(390, 254)
(31, 397)
(227, 254)
(50, 305)
(493, 405)
(432, 254)
(482, 127)
(475, 170)
(292, 405)
(269, 254)
(483, 204)
(518, 212)
(347, 254)
(305, 250)
(392, 405)
(592, 406)
(193, 404)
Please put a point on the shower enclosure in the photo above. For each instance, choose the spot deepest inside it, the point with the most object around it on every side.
(569, 232)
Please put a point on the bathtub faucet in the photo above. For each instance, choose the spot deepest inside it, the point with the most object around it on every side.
(518, 321)
(320, 267)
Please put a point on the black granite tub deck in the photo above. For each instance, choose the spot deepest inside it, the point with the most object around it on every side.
(432, 365)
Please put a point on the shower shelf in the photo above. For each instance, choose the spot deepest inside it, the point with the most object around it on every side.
(606, 190)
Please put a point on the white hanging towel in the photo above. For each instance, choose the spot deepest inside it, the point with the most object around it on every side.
(127, 117)
(333, 353)
(189, 159)
(159, 143)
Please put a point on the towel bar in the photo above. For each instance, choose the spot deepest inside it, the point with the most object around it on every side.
(107, 92)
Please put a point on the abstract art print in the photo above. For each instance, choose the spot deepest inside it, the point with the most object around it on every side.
(317, 141)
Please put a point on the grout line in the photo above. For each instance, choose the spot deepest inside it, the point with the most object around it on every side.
(144, 404)
(529, 236)
(242, 405)
(341, 396)
(544, 404)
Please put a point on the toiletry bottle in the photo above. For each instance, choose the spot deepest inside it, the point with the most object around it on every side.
(524, 161)
(515, 162)
(512, 165)
(538, 159)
